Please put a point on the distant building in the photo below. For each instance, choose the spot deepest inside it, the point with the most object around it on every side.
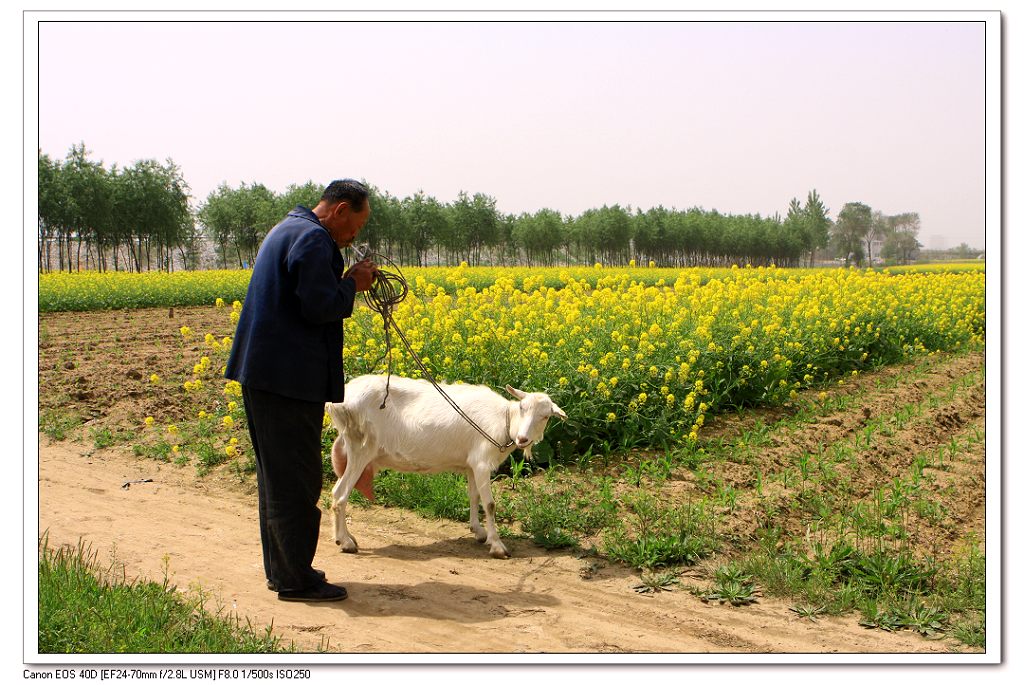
(873, 248)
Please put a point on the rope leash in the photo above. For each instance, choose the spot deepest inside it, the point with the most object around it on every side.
(386, 292)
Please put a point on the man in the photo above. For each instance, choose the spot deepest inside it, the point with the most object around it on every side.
(287, 357)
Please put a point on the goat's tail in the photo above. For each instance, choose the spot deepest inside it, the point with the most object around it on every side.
(338, 414)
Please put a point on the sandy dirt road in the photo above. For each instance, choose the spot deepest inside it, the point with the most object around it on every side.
(417, 587)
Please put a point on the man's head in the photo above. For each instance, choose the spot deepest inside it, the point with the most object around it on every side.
(343, 210)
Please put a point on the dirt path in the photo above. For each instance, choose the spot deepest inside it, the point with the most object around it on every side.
(417, 586)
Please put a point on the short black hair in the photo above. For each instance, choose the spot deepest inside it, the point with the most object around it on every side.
(347, 189)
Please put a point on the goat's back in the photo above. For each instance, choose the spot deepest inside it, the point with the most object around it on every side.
(418, 430)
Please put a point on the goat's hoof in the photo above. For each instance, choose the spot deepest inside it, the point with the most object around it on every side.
(481, 536)
(350, 548)
(499, 551)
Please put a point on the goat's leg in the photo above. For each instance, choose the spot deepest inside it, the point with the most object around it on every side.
(351, 470)
(474, 508)
(482, 475)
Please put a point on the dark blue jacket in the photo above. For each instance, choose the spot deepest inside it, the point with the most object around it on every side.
(289, 335)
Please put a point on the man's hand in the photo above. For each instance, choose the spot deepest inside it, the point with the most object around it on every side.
(362, 273)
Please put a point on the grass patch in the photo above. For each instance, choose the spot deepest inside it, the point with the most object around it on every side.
(733, 584)
(438, 495)
(103, 437)
(555, 515)
(160, 450)
(653, 534)
(56, 424)
(890, 588)
(86, 609)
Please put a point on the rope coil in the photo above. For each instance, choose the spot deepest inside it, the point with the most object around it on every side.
(386, 292)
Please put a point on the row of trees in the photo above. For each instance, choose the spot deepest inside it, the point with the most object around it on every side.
(130, 218)
(421, 230)
(960, 252)
(138, 218)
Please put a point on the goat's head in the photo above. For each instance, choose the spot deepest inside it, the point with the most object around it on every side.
(535, 410)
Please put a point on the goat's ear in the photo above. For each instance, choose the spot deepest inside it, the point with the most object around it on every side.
(558, 411)
(518, 394)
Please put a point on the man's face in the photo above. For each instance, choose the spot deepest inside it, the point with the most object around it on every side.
(344, 224)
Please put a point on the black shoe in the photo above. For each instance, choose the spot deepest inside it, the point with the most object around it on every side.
(273, 587)
(324, 592)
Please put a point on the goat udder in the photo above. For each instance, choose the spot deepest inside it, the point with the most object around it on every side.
(365, 483)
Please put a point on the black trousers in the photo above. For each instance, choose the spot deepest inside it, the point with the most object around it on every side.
(286, 436)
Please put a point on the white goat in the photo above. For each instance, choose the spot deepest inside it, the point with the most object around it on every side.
(418, 431)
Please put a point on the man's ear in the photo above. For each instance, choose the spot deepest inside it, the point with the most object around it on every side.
(339, 208)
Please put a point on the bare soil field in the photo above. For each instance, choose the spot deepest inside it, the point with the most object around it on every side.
(425, 586)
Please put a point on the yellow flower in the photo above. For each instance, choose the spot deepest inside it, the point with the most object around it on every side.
(202, 414)
(232, 406)
(154, 379)
(228, 422)
(150, 420)
(186, 332)
(611, 416)
(231, 450)
(172, 429)
(219, 303)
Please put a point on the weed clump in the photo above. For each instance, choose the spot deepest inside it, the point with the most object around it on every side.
(654, 535)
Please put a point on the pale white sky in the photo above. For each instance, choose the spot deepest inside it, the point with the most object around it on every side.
(739, 117)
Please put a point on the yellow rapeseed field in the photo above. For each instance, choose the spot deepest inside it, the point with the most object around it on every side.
(641, 357)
